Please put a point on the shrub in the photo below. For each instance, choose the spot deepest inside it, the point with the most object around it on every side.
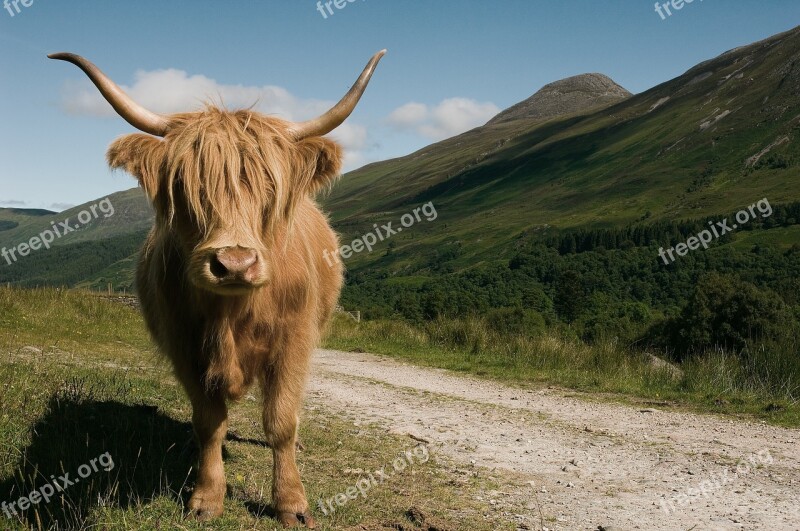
(729, 313)
(516, 321)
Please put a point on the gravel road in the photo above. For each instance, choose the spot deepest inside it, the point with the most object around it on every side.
(573, 460)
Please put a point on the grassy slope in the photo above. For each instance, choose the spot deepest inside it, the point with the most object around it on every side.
(81, 378)
(85, 263)
(103, 251)
(132, 214)
(604, 169)
(10, 218)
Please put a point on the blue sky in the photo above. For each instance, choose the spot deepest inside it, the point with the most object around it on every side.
(451, 65)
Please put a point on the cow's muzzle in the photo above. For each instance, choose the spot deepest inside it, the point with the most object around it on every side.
(234, 267)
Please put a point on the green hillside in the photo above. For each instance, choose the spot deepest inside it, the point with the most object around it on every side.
(90, 264)
(119, 214)
(558, 225)
(100, 252)
(10, 218)
(717, 138)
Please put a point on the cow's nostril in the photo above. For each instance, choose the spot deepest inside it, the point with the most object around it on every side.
(217, 268)
(232, 261)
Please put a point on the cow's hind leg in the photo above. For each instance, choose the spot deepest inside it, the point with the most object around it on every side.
(210, 422)
(284, 384)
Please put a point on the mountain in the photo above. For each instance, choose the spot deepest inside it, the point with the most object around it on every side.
(10, 218)
(572, 95)
(580, 154)
(106, 236)
(118, 214)
(718, 138)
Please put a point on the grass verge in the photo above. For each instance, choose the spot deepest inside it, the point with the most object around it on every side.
(80, 380)
(715, 383)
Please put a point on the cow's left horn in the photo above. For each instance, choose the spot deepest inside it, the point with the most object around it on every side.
(339, 113)
(134, 114)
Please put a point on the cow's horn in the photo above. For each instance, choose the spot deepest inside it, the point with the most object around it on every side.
(134, 114)
(339, 113)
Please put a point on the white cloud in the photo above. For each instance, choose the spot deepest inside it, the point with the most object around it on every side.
(409, 115)
(449, 118)
(170, 91)
(353, 138)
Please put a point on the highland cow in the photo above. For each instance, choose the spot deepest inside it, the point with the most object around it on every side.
(232, 280)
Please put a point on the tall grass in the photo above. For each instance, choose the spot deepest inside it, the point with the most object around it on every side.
(71, 318)
(764, 381)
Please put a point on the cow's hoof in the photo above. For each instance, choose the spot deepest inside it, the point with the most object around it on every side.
(202, 509)
(288, 519)
(204, 515)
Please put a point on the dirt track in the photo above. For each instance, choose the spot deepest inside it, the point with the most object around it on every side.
(578, 462)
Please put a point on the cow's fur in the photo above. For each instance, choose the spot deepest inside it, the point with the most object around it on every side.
(228, 179)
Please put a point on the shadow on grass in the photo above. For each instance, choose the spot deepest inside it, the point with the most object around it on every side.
(152, 456)
(261, 510)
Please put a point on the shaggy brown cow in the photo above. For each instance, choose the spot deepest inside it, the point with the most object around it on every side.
(232, 279)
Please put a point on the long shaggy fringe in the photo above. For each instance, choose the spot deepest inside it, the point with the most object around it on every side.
(214, 158)
(217, 156)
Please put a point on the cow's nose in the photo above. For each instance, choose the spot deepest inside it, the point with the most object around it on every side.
(232, 261)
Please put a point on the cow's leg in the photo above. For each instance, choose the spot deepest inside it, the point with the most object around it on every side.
(284, 384)
(210, 422)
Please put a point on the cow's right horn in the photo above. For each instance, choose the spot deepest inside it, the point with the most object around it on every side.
(339, 113)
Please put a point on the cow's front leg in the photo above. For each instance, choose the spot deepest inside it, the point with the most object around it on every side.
(210, 422)
(284, 384)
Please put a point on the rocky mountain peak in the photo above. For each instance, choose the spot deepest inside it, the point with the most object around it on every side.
(567, 96)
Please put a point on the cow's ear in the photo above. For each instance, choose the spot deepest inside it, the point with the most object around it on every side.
(140, 155)
(321, 164)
